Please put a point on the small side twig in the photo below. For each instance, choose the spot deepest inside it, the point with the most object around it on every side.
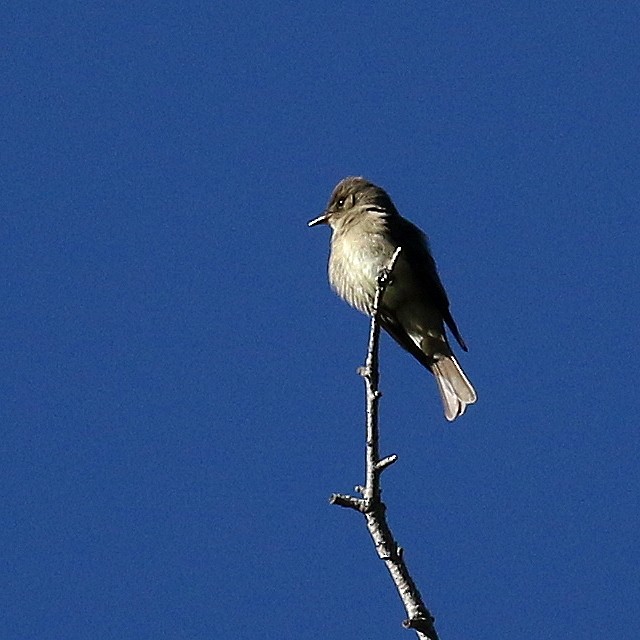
(370, 503)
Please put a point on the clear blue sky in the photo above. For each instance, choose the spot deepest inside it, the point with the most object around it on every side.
(179, 396)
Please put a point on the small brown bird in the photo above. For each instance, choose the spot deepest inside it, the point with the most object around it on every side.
(366, 230)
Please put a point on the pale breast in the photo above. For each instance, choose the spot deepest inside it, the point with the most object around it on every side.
(354, 264)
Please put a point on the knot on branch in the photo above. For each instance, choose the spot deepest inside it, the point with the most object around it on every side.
(374, 507)
(421, 624)
(384, 278)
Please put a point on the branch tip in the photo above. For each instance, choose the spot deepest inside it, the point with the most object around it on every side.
(381, 465)
(349, 502)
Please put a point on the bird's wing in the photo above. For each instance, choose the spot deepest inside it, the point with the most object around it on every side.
(415, 244)
(397, 332)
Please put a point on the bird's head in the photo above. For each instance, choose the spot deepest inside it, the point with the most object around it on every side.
(352, 198)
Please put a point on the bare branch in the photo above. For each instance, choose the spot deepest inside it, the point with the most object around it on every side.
(347, 501)
(381, 465)
(371, 505)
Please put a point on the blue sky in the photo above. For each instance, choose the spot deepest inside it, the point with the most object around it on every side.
(179, 388)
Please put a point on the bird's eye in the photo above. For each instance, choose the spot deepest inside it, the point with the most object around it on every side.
(340, 203)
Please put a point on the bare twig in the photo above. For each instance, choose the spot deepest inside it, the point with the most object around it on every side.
(370, 504)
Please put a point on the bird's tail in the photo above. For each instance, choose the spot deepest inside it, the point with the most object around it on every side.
(455, 389)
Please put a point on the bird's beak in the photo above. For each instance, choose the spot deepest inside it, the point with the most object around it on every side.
(323, 218)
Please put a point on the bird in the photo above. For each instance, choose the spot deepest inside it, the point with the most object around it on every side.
(366, 229)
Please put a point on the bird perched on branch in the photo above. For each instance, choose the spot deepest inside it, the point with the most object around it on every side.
(366, 230)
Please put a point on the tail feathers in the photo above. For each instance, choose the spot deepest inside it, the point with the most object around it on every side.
(455, 389)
